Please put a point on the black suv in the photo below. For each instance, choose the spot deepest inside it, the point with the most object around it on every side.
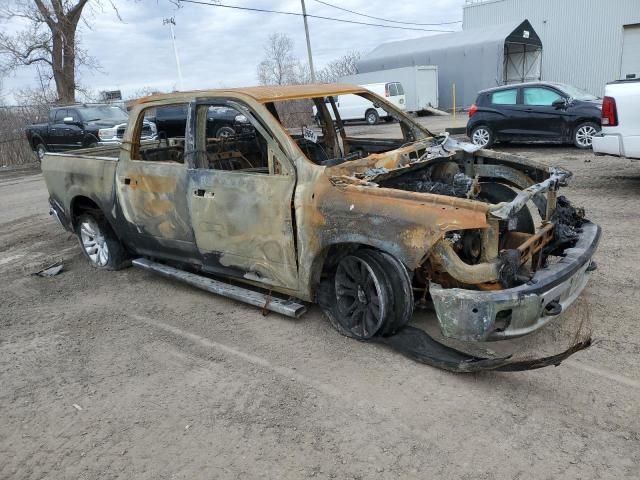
(539, 111)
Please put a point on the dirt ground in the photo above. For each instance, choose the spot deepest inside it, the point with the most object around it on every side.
(128, 375)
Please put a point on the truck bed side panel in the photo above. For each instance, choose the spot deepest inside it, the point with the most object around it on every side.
(69, 177)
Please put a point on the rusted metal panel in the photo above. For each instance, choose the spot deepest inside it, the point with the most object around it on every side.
(244, 220)
(265, 93)
(153, 199)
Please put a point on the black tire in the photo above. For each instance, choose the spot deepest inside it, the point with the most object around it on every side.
(90, 142)
(40, 149)
(96, 237)
(360, 278)
(482, 136)
(371, 117)
(583, 134)
(225, 131)
(401, 303)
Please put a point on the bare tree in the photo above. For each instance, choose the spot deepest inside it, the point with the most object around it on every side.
(49, 39)
(281, 67)
(343, 66)
(279, 64)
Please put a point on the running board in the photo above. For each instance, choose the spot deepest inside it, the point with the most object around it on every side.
(257, 299)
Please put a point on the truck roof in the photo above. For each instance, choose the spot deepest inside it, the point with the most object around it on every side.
(266, 93)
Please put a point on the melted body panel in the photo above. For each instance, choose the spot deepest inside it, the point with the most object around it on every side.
(246, 219)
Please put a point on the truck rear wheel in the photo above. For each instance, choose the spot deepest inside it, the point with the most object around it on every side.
(370, 294)
(99, 244)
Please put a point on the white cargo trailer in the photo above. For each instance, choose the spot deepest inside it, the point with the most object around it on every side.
(420, 83)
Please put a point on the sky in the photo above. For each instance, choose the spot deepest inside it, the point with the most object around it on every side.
(221, 47)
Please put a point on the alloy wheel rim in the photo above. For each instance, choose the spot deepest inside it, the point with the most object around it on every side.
(359, 297)
(371, 118)
(94, 243)
(585, 134)
(481, 137)
(41, 152)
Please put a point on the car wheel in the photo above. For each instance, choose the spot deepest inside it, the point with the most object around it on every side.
(583, 134)
(482, 136)
(401, 302)
(372, 117)
(40, 151)
(225, 132)
(369, 294)
(99, 244)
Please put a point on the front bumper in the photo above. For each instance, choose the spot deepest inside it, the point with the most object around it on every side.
(117, 141)
(514, 312)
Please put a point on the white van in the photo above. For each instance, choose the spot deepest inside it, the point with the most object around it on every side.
(354, 107)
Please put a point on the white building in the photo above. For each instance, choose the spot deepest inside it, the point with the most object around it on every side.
(587, 43)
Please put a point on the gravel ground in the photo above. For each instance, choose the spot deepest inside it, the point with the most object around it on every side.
(128, 375)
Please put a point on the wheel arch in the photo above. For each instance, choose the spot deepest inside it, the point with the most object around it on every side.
(327, 259)
(89, 139)
(36, 139)
(83, 204)
(371, 109)
(582, 120)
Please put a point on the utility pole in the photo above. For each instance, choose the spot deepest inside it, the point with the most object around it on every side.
(171, 22)
(306, 31)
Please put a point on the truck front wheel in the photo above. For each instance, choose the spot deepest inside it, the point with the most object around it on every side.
(370, 294)
(99, 244)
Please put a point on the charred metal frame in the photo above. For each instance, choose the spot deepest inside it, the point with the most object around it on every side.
(295, 223)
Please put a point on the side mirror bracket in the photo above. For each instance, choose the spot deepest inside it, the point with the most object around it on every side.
(561, 103)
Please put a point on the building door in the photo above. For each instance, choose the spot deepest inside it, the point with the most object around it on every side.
(630, 65)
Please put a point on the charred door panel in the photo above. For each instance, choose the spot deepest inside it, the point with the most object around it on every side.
(153, 200)
(243, 221)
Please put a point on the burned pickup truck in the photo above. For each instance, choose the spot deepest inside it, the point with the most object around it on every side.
(367, 221)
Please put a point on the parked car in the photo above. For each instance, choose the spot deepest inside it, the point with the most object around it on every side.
(366, 226)
(354, 107)
(620, 133)
(538, 111)
(77, 126)
(221, 121)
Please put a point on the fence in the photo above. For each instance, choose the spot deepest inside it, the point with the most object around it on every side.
(14, 148)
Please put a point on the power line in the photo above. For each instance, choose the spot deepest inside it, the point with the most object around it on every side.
(320, 17)
(386, 19)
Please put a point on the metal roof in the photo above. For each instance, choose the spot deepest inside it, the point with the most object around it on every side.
(487, 35)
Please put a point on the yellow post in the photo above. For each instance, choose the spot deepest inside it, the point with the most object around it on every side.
(453, 94)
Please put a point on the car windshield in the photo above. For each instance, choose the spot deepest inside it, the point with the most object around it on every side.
(576, 93)
(103, 113)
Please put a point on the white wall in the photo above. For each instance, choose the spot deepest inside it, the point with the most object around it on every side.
(581, 39)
